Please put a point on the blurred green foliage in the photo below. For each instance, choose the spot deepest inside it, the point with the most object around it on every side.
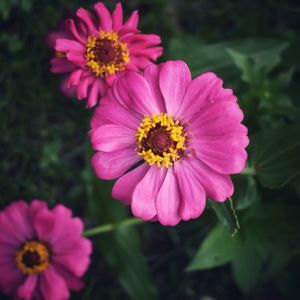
(45, 153)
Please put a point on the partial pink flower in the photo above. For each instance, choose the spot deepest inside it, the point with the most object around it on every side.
(171, 141)
(96, 49)
(42, 251)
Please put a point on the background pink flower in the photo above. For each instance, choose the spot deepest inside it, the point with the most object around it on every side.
(96, 50)
(187, 134)
(42, 252)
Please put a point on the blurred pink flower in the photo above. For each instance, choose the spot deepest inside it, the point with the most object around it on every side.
(94, 51)
(171, 140)
(42, 252)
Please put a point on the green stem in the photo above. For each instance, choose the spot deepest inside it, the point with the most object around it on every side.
(110, 227)
(249, 171)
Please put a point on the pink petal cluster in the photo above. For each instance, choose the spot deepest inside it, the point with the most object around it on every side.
(70, 44)
(69, 252)
(215, 148)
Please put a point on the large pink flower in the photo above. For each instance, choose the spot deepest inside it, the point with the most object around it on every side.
(42, 252)
(94, 51)
(171, 141)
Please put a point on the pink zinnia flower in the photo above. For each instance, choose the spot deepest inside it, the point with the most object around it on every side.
(171, 140)
(97, 50)
(42, 252)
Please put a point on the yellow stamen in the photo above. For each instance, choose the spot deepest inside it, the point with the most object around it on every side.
(157, 153)
(105, 54)
(33, 258)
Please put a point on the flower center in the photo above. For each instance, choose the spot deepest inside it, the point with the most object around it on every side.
(33, 257)
(160, 140)
(105, 54)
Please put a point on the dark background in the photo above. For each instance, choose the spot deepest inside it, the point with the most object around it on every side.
(45, 152)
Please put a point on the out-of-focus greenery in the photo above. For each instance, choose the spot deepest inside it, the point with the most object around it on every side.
(45, 152)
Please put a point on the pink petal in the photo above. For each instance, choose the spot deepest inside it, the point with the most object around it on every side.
(77, 34)
(125, 185)
(136, 94)
(104, 17)
(44, 224)
(150, 53)
(82, 88)
(73, 282)
(61, 65)
(65, 45)
(191, 191)
(10, 278)
(142, 39)
(53, 286)
(130, 24)
(144, 195)
(151, 74)
(88, 20)
(111, 112)
(202, 91)
(27, 289)
(219, 138)
(168, 200)
(110, 165)
(74, 78)
(112, 137)
(21, 228)
(217, 186)
(95, 91)
(117, 17)
(173, 81)
(76, 58)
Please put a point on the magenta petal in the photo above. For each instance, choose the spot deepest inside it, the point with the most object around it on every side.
(44, 223)
(83, 86)
(192, 194)
(117, 17)
(112, 137)
(219, 138)
(104, 17)
(88, 20)
(10, 278)
(144, 195)
(168, 200)
(130, 24)
(110, 165)
(135, 92)
(65, 45)
(27, 289)
(218, 187)
(151, 74)
(79, 36)
(125, 185)
(204, 90)
(111, 111)
(173, 80)
(94, 93)
(53, 286)
(61, 65)
(74, 78)
(76, 58)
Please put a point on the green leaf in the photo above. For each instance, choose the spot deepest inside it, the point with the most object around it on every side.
(217, 249)
(274, 155)
(245, 191)
(121, 247)
(214, 57)
(226, 214)
(247, 267)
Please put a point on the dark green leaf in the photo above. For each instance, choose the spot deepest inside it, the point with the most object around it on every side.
(245, 191)
(274, 155)
(226, 214)
(217, 249)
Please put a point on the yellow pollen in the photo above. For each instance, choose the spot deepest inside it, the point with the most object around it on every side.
(33, 258)
(105, 54)
(160, 140)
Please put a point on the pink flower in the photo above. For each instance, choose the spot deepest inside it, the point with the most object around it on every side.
(42, 252)
(171, 141)
(94, 51)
